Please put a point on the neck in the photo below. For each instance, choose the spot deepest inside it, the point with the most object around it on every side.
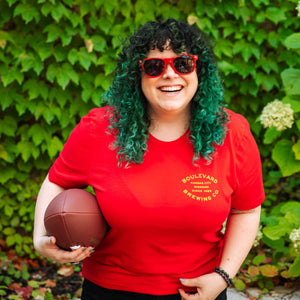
(169, 127)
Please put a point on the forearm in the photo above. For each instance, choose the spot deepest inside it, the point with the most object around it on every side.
(47, 192)
(240, 234)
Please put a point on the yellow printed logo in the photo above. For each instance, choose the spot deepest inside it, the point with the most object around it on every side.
(200, 187)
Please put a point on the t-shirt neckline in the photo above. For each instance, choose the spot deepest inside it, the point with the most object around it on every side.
(180, 140)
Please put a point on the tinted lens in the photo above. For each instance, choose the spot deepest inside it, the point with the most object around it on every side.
(184, 64)
(154, 67)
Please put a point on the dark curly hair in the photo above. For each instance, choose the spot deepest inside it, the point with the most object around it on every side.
(129, 119)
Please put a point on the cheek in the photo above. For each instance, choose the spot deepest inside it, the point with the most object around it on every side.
(194, 83)
(146, 85)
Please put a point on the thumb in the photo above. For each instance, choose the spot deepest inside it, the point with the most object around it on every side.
(52, 240)
(189, 282)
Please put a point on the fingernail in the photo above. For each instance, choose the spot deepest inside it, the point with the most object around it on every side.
(51, 240)
(75, 247)
(182, 280)
(92, 250)
(83, 248)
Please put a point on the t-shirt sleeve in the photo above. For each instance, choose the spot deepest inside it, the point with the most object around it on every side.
(71, 168)
(249, 191)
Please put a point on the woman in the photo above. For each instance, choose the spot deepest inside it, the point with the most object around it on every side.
(169, 164)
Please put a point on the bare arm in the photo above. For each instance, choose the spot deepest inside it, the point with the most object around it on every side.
(43, 243)
(240, 233)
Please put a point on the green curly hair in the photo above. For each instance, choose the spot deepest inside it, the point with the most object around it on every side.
(128, 116)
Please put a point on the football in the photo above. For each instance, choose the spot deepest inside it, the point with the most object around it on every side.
(74, 218)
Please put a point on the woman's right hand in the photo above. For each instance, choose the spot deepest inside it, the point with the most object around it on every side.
(47, 247)
(44, 244)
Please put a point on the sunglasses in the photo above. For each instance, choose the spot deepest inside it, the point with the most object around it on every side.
(182, 65)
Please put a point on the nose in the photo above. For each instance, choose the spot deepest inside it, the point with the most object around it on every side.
(169, 71)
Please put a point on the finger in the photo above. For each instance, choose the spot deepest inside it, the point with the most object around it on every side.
(52, 240)
(189, 282)
(186, 296)
(82, 253)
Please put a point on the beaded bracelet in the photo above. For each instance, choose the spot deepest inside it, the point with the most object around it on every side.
(224, 275)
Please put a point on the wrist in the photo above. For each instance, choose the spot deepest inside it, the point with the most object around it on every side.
(222, 273)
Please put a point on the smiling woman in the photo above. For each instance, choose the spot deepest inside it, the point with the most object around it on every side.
(169, 97)
(168, 164)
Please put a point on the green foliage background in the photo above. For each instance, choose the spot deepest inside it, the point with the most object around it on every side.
(58, 57)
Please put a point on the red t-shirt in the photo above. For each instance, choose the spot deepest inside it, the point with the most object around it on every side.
(166, 214)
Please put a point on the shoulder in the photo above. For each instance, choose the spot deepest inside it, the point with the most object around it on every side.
(93, 125)
(98, 115)
(235, 119)
(237, 124)
(96, 118)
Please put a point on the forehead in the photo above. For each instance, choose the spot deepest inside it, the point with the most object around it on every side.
(166, 53)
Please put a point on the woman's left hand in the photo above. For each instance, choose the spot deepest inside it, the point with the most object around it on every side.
(209, 286)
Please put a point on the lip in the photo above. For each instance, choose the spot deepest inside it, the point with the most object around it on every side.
(171, 88)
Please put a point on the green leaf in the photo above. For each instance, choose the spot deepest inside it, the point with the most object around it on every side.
(69, 72)
(283, 155)
(38, 134)
(295, 268)
(103, 81)
(260, 36)
(105, 24)
(239, 285)
(8, 125)
(257, 3)
(293, 41)
(73, 56)
(58, 11)
(257, 260)
(277, 231)
(10, 241)
(51, 72)
(295, 104)
(4, 38)
(99, 43)
(8, 210)
(54, 32)
(291, 80)
(271, 134)
(275, 14)
(28, 12)
(296, 150)
(290, 77)
(9, 231)
(11, 75)
(35, 89)
(223, 47)
(27, 149)
(273, 39)
(54, 146)
(85, 59)
(275, 244)
(3, 153)
(63, 74)
(59, 53)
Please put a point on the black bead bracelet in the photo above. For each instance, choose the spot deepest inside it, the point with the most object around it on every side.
(224, 275)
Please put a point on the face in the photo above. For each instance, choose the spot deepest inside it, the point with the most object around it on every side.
(169, 93)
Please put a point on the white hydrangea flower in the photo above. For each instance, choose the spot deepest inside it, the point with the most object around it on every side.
(295, 235)
(298, 8)
(258, 237)
(277, 114)
(295, 238)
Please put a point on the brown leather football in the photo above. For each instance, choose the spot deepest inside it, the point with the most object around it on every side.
(74, 218)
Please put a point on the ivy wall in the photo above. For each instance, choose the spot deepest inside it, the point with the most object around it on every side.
(58, 57)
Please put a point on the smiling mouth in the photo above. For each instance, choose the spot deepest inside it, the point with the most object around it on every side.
(171, 89)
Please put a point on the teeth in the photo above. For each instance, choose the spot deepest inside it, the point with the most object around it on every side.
(170, 88)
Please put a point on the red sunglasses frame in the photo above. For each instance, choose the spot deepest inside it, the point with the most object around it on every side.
(166, 62)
